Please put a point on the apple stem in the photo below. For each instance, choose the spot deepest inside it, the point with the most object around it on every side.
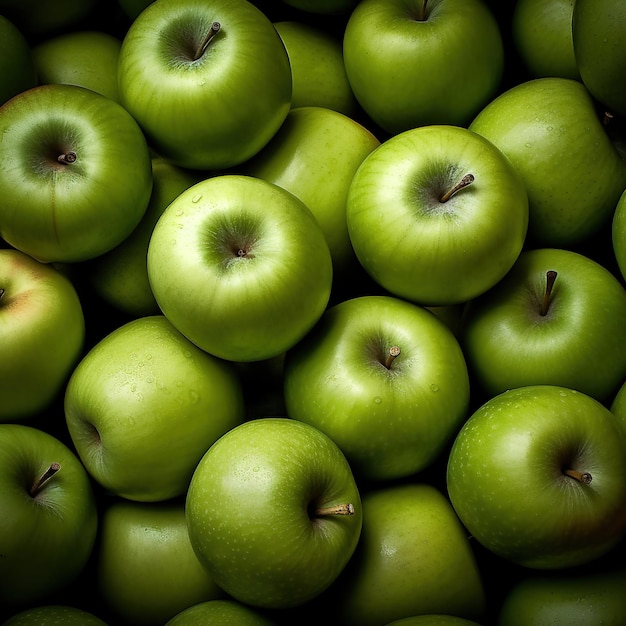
(468, 179)
(337, 509)
(394, 352)
(422, 14)
(545, 306)
(1, 292)
(43, 479)
(582, 477)
(215, 28)
(67, 158)
(607, 118)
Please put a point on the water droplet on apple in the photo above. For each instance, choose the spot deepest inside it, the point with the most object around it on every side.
(434, 387)
(378, 399)
(150, 379)
(179, 213)
(196, 198)
(255, 469)
(528, 145)
(194, 396)
(133, 387)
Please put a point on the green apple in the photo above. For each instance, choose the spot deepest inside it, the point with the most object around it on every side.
(143, 406)
(120, 276)
(618, 233)
(318, 72)
(42, 333)
(542, 35)
(36, 19)
(240, 266)
(574, 174)
(49, 516)
(537, 475)
(17, 66)
(414, 558)
(146, 569)
(87, 58)
(224, 612)
(598, 38)
(54, 615)
(557, 318)
(209, 82)
(579, 598)
(75, 173)
(437, 215)
(315, 155)
(411, 63)
(274, 512)
(385, 379)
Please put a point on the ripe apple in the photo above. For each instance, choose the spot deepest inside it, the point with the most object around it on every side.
(273, 512)
(17, 66)
(219, 613)
(240, 266)
(209, 82)
(42, 333)
(143, 406)
(87, 58)
(385, 379)
(413, 63)
(315, 155)
(120, 276)
(49, 517)
(146, 569)
(75, 173)
(437, 215)
(54, 614)
(598, 38)
(574, 174)
(618, 232)
(317, 69)
(556, 318)
(538, 477)
(414, 558)
(542, 35)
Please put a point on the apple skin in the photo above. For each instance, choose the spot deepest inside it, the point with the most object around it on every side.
(618, 234)
(389, 422)
(439, 70)
(147, 571)
(598, 39)
(46, 539)
(424, 250)
(507, 480)
(579, 342)
(252, 512)
(576, 599)
(542, 34)
(315, 155)
(84, 58)
(17, 66)
(224, 612)
(618, 405)
(574, 174)
(53, 615)
(240, 266)
(414, 558)
(143, 406)
(42, 332)
(73, 211)
(241, 83)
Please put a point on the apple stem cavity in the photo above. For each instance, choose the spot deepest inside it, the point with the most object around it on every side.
(215, 28)
(468, 179)
(581, 477)
(545, 305)
(394, 352)
(337, 509)
(67, 158)
(421, 17)
(43, 479)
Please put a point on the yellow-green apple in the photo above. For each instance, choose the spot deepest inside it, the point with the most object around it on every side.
(17, 65)
(437, 214)
(537, 475)
(143, 406)
(240, 266)
(49, 516)
(208, 81)
(411, 63)
(557, 318)
(314, 155)
(75, 173)
(220, 613)
(146, 569)
(618, 234)
(51, 614)
(385, 379)
(573, 172)
(274, 512)
(42, 333)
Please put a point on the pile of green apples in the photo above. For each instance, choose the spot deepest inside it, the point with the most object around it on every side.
(313, 310)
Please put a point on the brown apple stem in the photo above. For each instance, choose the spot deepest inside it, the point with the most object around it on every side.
(607, 118)
(582, 477)
(468, 179)
(43, 479)
(545, 305)
(1, 292)
(67, 158)
(215, 28)
(422, 14)
(394, 352)
(338, 509)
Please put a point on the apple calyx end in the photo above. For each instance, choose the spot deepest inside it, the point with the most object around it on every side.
(67, 158)
(201, 49)
(582, 477)
(44, 478)
(338, 509)
(550, 279)
(468, 179)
